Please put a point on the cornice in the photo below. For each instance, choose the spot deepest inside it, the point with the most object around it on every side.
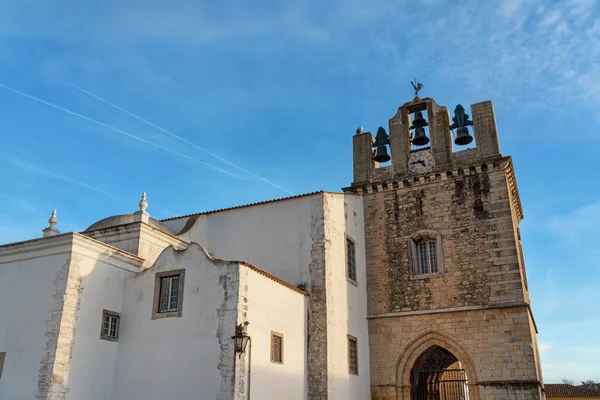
(438, 174)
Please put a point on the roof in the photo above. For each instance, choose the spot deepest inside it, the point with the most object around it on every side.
(273, 278)
(564, 390)
(118, 220)
(251, 204)
(250, 266)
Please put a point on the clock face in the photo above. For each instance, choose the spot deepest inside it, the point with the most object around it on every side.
(420, 161)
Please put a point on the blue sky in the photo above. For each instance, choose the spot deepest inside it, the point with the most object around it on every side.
(278, 89)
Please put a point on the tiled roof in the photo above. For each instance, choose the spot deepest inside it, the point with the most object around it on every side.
(564, 390)
(248, 205)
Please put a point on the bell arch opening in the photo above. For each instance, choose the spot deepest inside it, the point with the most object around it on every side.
(438, 375)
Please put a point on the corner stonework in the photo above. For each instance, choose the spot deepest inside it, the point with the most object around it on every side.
(60, 332)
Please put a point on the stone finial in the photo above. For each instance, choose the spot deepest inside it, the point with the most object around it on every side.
(141, 214)
(51, 230)
(143, 203)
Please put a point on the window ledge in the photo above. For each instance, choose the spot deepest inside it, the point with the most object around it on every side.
(427, 276)
(169, 314)
(109, 338)
(354, 283)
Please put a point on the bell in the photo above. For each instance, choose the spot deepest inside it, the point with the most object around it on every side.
(381, 154)
(419, 121)
(420, 139)
(462, 136)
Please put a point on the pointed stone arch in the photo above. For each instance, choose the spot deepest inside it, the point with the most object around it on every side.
(411, 352)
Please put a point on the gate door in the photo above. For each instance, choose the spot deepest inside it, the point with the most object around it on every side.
(445, 384)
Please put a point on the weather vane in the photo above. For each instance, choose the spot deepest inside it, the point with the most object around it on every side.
(417, 86)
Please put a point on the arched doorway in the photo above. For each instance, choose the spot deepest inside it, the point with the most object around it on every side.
(438, 375)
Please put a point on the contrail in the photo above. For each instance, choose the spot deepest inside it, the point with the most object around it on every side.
(112, 128)
(45, 171)
(180, 138)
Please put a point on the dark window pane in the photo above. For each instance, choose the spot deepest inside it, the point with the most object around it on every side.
(351, 259)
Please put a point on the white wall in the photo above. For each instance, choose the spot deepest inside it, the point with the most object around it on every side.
(275, 237)
(274, 307)
(168, 358)
(26, 299)
(278, 238)
(346, 302)
(93, 360)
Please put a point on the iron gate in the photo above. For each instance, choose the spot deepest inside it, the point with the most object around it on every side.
(442, 384)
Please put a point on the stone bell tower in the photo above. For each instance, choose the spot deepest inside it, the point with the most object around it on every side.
(448, 303)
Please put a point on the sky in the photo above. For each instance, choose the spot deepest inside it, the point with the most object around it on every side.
(206, 105)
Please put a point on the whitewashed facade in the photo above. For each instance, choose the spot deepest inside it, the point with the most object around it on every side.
(168, 293)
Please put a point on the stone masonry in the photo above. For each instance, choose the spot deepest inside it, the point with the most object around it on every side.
(60, 332)
(478, 307)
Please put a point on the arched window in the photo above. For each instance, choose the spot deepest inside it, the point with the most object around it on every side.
(426, 257)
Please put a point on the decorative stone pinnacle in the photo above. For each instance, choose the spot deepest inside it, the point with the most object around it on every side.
(143, 203)
(53, 220)
(51, 230)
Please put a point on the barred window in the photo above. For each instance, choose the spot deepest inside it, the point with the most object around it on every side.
(427, 256)
(168, 294)
(277, 347)
(110, 325)
(351, 259)
(352, 355)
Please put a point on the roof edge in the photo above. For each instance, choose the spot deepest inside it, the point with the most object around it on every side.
(254, 204)
(274, 278)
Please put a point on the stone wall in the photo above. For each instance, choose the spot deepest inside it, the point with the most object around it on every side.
(477, 306)
(493, 345)
(470, 208)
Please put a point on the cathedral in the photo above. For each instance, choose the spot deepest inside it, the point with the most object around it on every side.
(409, 284)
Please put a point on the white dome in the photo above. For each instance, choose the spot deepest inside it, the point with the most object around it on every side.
(117, 220)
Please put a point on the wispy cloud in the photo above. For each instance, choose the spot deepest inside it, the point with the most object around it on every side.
(581, 222)
(195, 146)
(112, 128)
(43, 170)
(544, 347)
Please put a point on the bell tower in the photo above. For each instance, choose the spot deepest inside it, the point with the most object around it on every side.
(448, 303)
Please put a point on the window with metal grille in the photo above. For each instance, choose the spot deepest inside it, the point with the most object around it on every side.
(427, 256)
(277, 347)
(352, 355)
(351, 259)
(169, 294)
(110, 325)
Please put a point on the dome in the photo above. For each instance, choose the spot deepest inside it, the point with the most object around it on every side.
(117, 220)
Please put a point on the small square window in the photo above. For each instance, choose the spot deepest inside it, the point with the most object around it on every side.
(2, 358)
(350, 259)
(168, 294)
(352, 355)
(277, 347)
(110, 325)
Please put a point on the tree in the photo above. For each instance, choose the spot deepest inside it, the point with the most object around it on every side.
(568, 381)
